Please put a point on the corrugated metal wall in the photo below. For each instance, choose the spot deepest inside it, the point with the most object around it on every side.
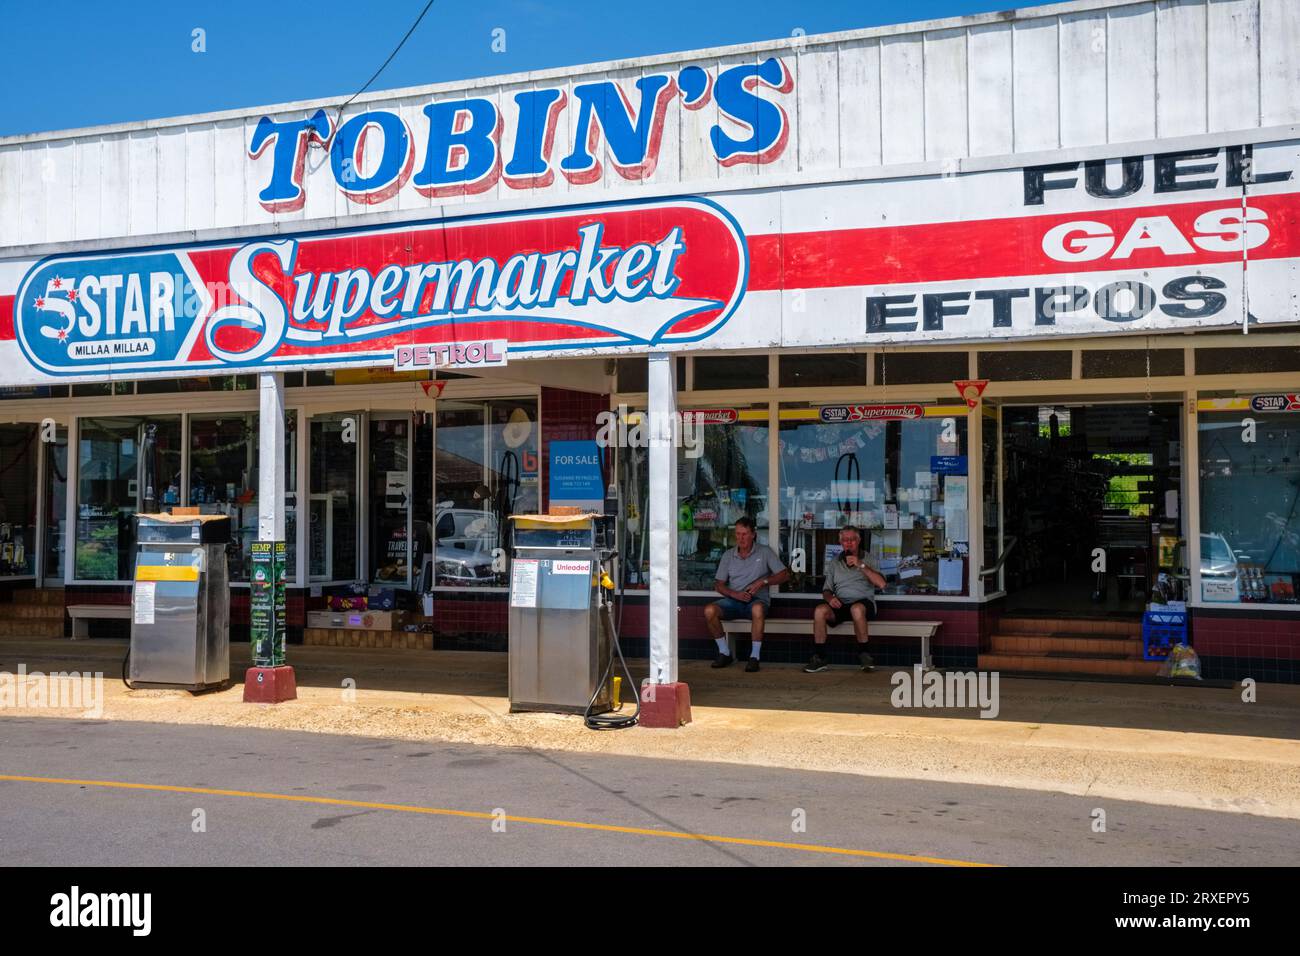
(1073, 75)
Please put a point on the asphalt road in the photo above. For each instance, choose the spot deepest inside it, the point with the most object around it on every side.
(447, 804)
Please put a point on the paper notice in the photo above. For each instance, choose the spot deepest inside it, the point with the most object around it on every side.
(950, 573)
(144, 601)
(523, 582)
(891, 517)
(954, 510)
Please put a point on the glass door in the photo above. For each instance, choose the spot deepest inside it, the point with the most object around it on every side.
(332, 502)
(55, 508)
(390, 498)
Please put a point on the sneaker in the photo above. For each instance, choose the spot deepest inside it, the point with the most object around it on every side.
(867, 663)
(817, 664)
(723, 660)
(752, 665)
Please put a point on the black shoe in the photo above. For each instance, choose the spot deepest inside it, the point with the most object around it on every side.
(817, 664)
(723, 660)
(752, 665)
(867, 663)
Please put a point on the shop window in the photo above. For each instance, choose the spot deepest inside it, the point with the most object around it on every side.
(921, 368)
(18, 392)
(632, 375)
(823, 370)
(1035, 366)
(722, 474)
(125, 466)
(96, 389)
(486, 468)
(1236, 361)
(1250, 522)
(19, 447)
(201, 383)
(716, 373)
(332, 507)
(902, 483)
(1131, 363)
(224, 477)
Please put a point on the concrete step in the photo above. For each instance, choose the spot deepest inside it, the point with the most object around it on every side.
(1068, 643)
(1070, 625)
(1074, 663)
(31, 627)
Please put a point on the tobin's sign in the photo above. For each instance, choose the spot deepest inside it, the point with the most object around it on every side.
(1173, 242)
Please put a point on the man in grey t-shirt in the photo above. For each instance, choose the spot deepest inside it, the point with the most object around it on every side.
(742, 579)
(849, 592)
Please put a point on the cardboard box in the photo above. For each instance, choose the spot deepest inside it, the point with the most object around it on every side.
(358, 620)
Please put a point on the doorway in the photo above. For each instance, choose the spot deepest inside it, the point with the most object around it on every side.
(390, 499)
(54, 508)
(1094, 497)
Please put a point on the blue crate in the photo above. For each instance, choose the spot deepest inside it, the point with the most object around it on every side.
(1161, 630)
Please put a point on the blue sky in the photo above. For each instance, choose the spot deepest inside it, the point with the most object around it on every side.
(86, 62)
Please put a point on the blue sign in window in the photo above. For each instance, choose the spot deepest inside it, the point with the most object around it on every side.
(575, 473)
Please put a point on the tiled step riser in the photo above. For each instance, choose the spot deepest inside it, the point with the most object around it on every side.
(348, 637)
(1040, 626)
(24, 612)
(1025, 663)
(1042, 643)
(45, 596)
(36, 627)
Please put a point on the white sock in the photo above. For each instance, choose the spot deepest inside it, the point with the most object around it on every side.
(754, 648)
(723, 647)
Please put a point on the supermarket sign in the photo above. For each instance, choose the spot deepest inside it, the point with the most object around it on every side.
(640, 273)
(837, 414)
(1276, 402)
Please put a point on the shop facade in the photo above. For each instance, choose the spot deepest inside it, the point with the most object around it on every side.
(1006, 293)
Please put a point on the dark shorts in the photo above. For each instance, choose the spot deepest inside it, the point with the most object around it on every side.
(844, 613)
(732, 609)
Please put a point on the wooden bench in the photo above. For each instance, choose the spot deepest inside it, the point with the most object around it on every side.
(82, 614)
(925, 630)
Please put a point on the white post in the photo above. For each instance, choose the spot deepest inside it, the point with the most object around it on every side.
(661, 406)
(270, 467)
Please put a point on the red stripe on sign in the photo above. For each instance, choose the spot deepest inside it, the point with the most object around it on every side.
(990, 248)
(6, 318)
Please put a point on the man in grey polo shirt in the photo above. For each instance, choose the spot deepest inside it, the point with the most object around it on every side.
(849, 592)
(742, 579)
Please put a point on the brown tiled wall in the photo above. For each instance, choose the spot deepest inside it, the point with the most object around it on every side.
(1234, 644)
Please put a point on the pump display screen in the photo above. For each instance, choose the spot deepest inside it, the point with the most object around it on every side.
(554, 537)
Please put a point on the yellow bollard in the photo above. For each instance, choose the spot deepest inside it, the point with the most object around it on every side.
(618, 687)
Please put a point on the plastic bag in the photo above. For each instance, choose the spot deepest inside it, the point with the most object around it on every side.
(1182, 662)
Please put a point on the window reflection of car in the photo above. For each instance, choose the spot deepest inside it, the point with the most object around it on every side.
(1219, 569)
(465, 541)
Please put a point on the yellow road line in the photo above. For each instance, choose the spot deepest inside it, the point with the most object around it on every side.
(480, 815)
